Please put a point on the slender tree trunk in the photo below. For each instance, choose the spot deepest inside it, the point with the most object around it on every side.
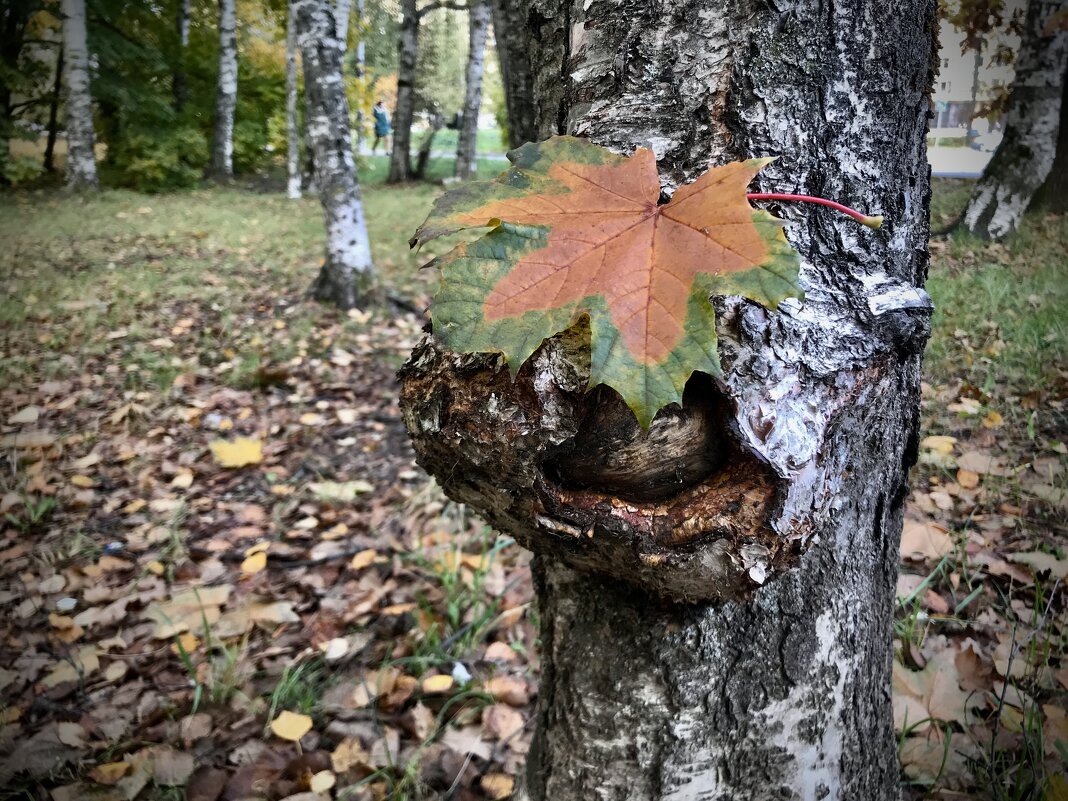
(341, 17)
(1026, 153)
(222, 149)
(437, 122)
(510, 33)
(1053, 196)
(53, 114)
(740, 667)
(400, 160)
(81, 159)
(292, 129)
(180, 84)
(467, 141)
(347, 277)
(361, 73)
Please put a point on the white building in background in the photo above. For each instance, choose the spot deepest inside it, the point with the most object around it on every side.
(968, 82)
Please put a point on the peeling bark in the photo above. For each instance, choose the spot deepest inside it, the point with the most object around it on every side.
(1026, 153)
(222, 148)
(347, 277)
(716, 595)
(510, 34)
(400, 160)
(81, 159)
(293, 190)
(478, 23)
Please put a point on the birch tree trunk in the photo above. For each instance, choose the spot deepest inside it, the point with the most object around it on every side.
(81, 159)
(400, 160)
(53, 113)
(1026, 153)
(718, 625)
(341, 18)
(510, 34)
(292, 129)
(180, 86)
(1053, 195)
(360, 67)
(347, 277)
(467, 141)
(222, 148)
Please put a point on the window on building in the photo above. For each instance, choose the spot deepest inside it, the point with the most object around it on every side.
(945, 62)
(942, 85)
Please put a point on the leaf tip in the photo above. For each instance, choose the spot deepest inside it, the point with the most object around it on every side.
(875, 221)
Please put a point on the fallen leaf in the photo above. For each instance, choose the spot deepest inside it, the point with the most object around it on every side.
(363, 559)
(1041, 563)
(510, 689)
(497, 786)
(238, 453)
(322, 781)
(440, 683)
(291, 726)
(28, 414)
(340, 491)
(501, 721)
(254, 563)
(924, 540)
(172, 768)
(109, 772)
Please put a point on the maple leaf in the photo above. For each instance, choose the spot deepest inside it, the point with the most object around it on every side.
(576, 230)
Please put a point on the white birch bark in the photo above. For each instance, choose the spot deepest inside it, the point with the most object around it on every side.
(466, 145)
(342, 10)
(347, 277)
(731, 641)
(222, 150)
(81, 159)
(361, 61)
(1025, 156)
(293, 190)
(400, 161)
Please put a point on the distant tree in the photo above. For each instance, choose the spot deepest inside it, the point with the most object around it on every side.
(81, 158)
(510, 34)
(1026, 154)
(347, 277)
(222, 148)
(292, 128)
(180, 84)
(466, 146)
(53, 114)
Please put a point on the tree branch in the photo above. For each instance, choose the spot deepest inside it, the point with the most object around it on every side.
(452, 5)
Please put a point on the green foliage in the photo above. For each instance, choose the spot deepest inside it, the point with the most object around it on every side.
(159, 159)
(21, 170)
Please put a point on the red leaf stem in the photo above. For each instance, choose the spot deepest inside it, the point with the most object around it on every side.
(863, 219)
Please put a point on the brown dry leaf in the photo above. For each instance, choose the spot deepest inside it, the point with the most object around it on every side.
(72, 734)
(188, 610)
(924, 540)
(983, 463)
(363, 559)
(511, 690)
(497, 786)
(933, 692)
(291, 726)
(1041, 562)
(968, 479)
(171, 768)
(273, 612)
(27, 415)
(467, 740)
(501, 721)
(349, 754)
(1055, 728)
(81, 663)
(109, 772)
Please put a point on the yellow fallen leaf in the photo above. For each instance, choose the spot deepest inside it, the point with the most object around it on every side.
(441, 683)
(939, 443)
(291, 726)
(993, 420)
(311, 419)
(110, 772)
(498, 785)
(363, 559)
(254, 563)
(238, 453)
(183, 480)
(968, 479)
(187, 642)
(322, 781)
(82, 481)
(156, 567)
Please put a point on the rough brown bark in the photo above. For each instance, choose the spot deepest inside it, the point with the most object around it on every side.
(510, 34)
(716, 604)
(1026, 153)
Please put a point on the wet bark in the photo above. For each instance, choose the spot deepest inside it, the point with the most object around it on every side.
(1025, 156)
(81, 159)
(347, 277)
(467, 141)
(1053, 195)
(728, 636)
(222, 148)
(293, 190)
(180, 85)
(400, 161)
(510, 34)
(53, 113)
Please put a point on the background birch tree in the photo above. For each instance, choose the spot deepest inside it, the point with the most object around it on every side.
(400, 160)
(81, 158)
(222, 148)
(478, 26)
(1026, 154)
(347, 277)
(180, 83)
(743, 666)
(293, 189)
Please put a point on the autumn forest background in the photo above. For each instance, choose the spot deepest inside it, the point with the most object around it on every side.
(222, 573)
